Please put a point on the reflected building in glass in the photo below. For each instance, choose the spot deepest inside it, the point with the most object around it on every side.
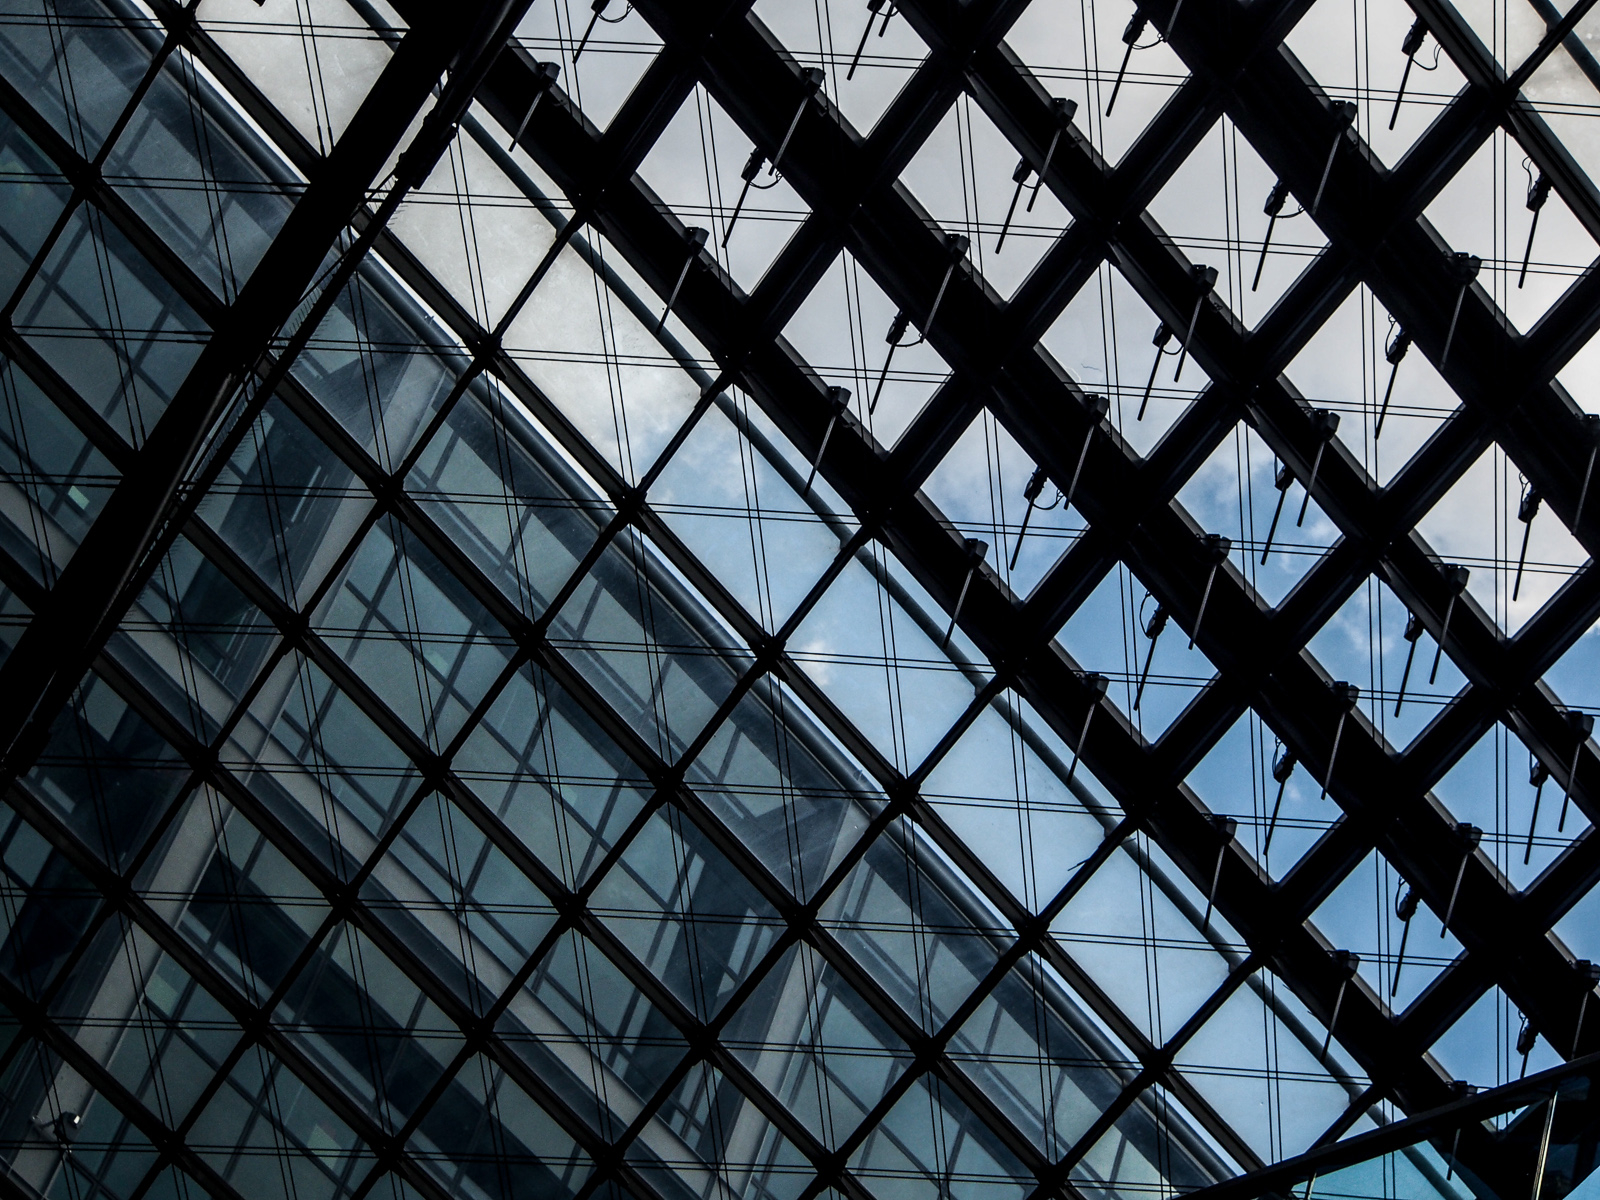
(514, 688)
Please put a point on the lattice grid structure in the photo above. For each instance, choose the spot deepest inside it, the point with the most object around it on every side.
(513, 686)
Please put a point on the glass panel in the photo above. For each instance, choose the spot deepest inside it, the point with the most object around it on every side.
(196, 176)
(455, 898)
(56, 483)
(660, 659)
(353, 1012)
(413, 633)
(285, 503)
(503, 494)
(817, 1045)
(107, 773)
(32, 193)
(193, 640)
(931, 1145)
(46, 905)
(682, 909)
(147, 1020)
(783, 789)
(592, 1036)
(271, 1136)
(379, 366)
(247, 908)
(309, 751)
(75, 61)
(487, 1139)
(110, 325)
(711, 1142)
(552, 776)
(915, 926)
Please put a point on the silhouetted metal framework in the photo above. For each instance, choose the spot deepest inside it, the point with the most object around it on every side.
(1377, 237)
(1372, 219)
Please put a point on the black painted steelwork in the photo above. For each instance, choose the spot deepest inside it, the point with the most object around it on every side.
(1376, 237)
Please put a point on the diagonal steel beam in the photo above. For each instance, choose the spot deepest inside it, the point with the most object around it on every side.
(101, 579)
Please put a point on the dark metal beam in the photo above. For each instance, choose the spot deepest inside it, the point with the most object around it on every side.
(101, 579)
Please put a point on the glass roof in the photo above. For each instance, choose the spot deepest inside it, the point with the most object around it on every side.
(786, 600)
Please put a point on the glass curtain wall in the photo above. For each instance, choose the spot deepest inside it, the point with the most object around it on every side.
(439, 821)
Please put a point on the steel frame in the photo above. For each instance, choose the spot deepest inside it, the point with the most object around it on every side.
(1377, 238)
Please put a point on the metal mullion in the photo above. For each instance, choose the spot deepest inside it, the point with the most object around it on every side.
(1518, 117)
(41, 1027)
(1469, 399)
(355, 911)
(92, 189)
(256, 1025)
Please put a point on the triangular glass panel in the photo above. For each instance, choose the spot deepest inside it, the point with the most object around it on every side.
(985, 486)
(1477, 524)
(840, 331)
(620, 49)
(1071, 51)
(965, 176)
(697, 168)
(826, 35)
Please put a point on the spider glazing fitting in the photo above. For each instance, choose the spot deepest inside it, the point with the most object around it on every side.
(1392, 354)
(975, 549)
(1462, 268)
(1345, 695)
(1538, 193)
(1225, 828)
(1062, 111)
(1527, 510)
(1096, 684)
(1282, 768)
(1324, 424)
(1273, 206)
(874, 7)
(1469, 836)
(1409, 47)
(695, 239)
(1098, 406)
(1131, 33)
(1153, 630)
(1280, 480)
(1205, 278)
(1414, 630)
(1455, 578)
(1163, 335)
(1405, 907)
(544, 78)
(599, 7)
(1214, 552)
(1346, 963)
(1538, 775)
(1582, 725)
(1344, 114)
(838, 399)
